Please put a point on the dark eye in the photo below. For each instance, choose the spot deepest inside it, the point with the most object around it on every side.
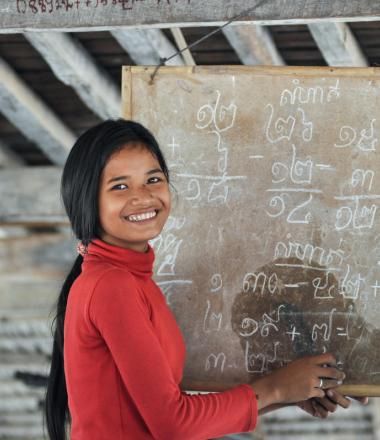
(120, 186)
(154, 179)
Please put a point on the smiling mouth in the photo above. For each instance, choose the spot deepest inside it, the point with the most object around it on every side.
(141, 217)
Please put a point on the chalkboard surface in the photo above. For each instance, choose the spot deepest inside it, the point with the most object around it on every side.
(273, 248)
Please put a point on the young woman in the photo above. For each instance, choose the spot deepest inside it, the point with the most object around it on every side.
(118, 354)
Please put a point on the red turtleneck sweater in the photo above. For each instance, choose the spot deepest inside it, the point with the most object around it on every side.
(124, 357)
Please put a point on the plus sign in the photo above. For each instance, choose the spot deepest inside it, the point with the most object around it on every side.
(294, 333)
(375, 287)
(173, 146)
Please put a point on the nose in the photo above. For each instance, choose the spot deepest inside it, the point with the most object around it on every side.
(141, 196)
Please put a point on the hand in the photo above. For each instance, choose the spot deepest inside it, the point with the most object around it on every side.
(321, 407)
(343, 401)
(298, 381)
(301, 379)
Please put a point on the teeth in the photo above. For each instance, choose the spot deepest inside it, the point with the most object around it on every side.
(140, 217)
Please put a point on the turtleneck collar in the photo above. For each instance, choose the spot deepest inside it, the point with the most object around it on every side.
(138, 263)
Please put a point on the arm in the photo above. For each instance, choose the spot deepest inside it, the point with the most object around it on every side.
(273, 407)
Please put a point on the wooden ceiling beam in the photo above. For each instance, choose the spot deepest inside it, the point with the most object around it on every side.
(8, 158)
(20, 15)
(182, 45)
(338, 45)
(75, 67)
(32, 116)
(38, 203)
(253, 44)
(147, 47)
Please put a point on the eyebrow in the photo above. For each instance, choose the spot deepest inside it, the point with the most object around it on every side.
(120, 178)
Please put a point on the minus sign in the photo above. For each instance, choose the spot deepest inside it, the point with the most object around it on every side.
(256, 157)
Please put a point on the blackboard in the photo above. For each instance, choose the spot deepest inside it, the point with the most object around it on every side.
(273, 248)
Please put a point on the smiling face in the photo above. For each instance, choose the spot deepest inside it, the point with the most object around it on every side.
(134, 198)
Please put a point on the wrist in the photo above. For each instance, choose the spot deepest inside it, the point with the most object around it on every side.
(266, 392)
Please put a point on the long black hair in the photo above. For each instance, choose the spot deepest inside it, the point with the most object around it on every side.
(80, 191)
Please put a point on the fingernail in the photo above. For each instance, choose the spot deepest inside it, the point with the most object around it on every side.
(330, 393)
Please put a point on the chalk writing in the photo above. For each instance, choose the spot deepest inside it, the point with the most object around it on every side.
(169, 287)
(308, 253)
(351, 284)
(167, 245)
(299, 172)
(350, 137)
(260, 362)
(299, 214)
(375, 288)
(212, 321)
(283, 128)
(254, 282)
(309, 95)
(215, 361)
(357, 217)
(293, 333)
(324, 328)
(217, 119)
(216, 282)
(324, 286)
(362, 178)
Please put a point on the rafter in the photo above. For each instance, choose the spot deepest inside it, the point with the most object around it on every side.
(9, 158)
(182, 45)
(253, 44)
(32, 116)
(338, 44)
(147, 47)
(75, 67)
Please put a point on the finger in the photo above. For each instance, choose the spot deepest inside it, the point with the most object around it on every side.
(317, 392)
(320, 411)
(326, 403)
(326, 359)
(362, 400)
(338, 398)
(331, 373)
(307, 407)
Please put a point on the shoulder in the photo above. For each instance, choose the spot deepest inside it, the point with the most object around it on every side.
(116, 289)
(112, 280)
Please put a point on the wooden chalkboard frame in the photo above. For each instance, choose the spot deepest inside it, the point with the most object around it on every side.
(128, 73)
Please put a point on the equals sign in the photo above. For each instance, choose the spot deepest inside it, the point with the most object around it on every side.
(325, 167)
(341, 329)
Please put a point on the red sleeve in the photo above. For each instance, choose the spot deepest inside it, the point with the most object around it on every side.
(120, 313)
